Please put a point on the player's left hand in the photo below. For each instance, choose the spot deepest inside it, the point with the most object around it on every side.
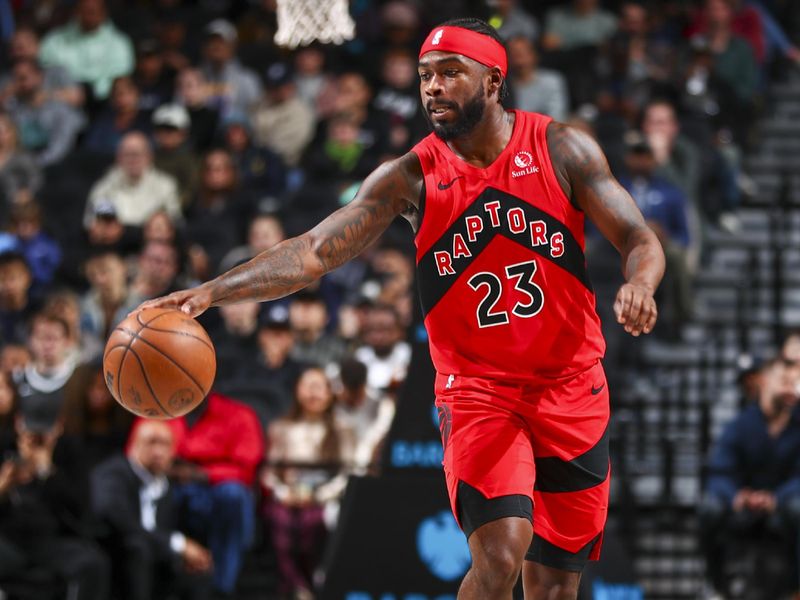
(635, 309)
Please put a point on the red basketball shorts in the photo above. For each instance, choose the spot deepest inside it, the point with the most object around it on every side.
(510, 442)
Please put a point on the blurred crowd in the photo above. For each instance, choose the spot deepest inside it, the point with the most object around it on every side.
(148, 146)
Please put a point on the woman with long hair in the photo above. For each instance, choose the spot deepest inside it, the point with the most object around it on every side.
(305, 474)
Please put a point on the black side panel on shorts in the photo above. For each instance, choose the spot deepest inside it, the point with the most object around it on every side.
(581, 473)
(550, 555)
(475, 509)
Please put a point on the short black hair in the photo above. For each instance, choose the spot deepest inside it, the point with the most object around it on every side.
(482, 27)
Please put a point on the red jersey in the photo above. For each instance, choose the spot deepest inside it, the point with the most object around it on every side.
(500, 263)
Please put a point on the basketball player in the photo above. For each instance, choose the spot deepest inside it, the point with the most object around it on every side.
(497, 199)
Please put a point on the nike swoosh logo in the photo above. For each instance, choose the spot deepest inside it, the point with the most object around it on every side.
(597, 390)
(447, 186)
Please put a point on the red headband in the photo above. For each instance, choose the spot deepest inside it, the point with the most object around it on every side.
(471, 44)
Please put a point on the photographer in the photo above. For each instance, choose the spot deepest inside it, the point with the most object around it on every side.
(41, 516)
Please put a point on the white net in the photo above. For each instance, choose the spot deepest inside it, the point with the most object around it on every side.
(301, 22)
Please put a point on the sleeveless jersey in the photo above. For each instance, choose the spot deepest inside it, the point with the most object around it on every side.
(500, 263)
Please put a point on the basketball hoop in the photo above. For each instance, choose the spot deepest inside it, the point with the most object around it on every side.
(301, 22)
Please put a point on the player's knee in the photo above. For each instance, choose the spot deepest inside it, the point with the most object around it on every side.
(497, 567)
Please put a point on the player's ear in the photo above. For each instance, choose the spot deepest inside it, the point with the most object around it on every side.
(495, 83)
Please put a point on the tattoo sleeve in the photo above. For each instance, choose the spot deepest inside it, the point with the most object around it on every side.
(296, 262)
(584, 175)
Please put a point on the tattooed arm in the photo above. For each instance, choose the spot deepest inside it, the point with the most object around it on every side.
(392, 189)
(583, 173)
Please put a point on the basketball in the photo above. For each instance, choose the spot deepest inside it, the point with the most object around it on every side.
(159, 363)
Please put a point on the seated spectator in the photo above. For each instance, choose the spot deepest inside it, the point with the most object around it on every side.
(104, 231)
(161, 228)
(745, 23)
(342, 157)
(9, 405)
(233, 87)
(305, 473)
(235, 339)
(582, 23)
(41, 382)
(260, 170)
(192, 92)
(90, 48)
(16, 303)
(109, 299)
(20, 175)
(43, 517)
(64, 304)
(121, 117)
(152, 77)
(282, 121)
(58, 84)
(753, 484)
(265, 232)
(385, 351)
(535, 89)
(158, 271)
(310, 76)
(93, 420)
(41, 251)
(220, 444)
(134, 498)
(511, 21)
(47, 127)
(173, 153)
(217, 217)
(308, 318)
(363, 412)
(664, 207)
(399, 97)
(133, 186)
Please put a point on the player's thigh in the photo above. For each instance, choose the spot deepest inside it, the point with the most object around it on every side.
(572, 464)
(488, 459)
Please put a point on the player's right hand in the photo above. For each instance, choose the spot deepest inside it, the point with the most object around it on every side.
(192, 302)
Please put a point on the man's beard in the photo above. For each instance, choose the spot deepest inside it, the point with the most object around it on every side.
(467, 118)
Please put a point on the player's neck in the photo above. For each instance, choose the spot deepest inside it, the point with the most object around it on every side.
(489, 138)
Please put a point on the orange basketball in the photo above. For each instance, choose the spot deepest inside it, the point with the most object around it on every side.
(159, 363)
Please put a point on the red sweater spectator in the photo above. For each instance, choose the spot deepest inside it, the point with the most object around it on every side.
(226, 441)
(746, 24)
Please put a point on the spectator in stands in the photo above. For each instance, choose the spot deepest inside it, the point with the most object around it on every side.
(14, 357)
(154, 80)
(216, 220)
(343, 157)
(134, 498)
(310, 76)
(64, 304)
(235, 339)
(282, 121)
(41, 251)
(745, 23)
(265, 232)
(384, 350)
(398, 97)
(220, 444)
(58, 85)
(40, 384)
(664, 207)
(535, 89)
(233, 87)
(9, 405)
(43, 519)
(93, 420)
(133, 186)
(16, 304)
(511, 20)
(192, 92)
(161, 228)
(173, 152)
(308, 317)
(158, 270)
(790, 349)
(109, 298)
(363, 412)
(47, 127)
(582, 23)
(393, 271)
(734, 62)
(260, 170)
(122, 116)
(90, 48)
(753, 482)
(104, 230)
(307, 451)
(20, 175)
